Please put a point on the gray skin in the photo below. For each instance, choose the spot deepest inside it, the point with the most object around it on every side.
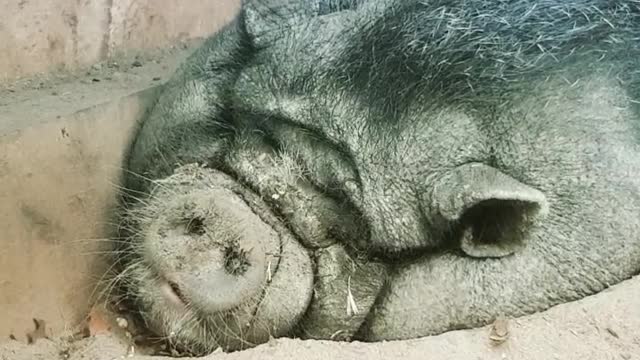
(441, 163)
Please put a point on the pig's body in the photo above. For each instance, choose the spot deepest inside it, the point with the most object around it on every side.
(477, 158)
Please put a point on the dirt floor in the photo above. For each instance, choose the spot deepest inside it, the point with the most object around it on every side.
(603, 326)
(62, 140)
(39, 97)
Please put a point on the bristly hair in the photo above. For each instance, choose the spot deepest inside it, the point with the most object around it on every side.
(457, 49)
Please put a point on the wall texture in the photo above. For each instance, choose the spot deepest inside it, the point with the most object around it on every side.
(43, 35)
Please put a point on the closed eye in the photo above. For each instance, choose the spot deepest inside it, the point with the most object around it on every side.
(326, 7)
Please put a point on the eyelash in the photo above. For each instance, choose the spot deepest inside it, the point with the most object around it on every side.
(326, 7)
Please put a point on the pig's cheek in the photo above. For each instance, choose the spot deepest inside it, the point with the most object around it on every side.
(345, 289)
(317, 218)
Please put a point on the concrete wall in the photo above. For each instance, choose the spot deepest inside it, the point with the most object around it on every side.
(44, 35)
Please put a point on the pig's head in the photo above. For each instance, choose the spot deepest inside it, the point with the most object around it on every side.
(488, 152)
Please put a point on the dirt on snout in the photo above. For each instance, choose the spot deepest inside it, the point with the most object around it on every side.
(603, 326)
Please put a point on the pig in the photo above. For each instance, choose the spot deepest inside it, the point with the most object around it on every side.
(381, 170)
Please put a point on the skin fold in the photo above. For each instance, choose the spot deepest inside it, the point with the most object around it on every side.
(423, 165)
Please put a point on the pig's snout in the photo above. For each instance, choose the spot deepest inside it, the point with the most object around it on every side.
(211, 266)
(233, 275)
(211, 252)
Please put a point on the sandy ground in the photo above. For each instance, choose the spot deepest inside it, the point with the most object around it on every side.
(62, 142)
(33, 100)
(603, 326)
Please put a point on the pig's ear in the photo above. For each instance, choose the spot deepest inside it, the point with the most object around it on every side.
(265, 20)
(494, 212)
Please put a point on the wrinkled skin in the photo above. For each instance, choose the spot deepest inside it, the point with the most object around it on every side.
(440, 162)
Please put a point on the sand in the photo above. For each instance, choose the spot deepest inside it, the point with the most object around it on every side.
(63, 137)
(33, 100)
(602, 326)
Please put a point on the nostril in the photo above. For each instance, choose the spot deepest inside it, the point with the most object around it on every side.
(195, 226)
(236, 261)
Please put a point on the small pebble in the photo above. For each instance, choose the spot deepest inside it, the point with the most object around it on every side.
(136, 63)
(122, 322)
(157, 78)
(499, 331)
